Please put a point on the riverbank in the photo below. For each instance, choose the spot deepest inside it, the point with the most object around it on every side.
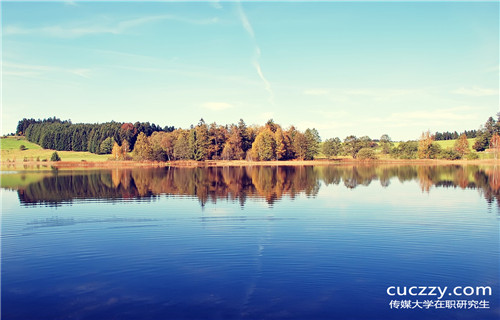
(72, 165)
(33, 158)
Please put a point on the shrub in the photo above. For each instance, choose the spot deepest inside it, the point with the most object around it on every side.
(55, 157)
(405, 150)
(449, 154)
(434, 151)
(366, 154)
(472, 156)
(22, 147)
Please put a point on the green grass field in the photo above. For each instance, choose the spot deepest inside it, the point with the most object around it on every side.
(447, 143)
(11, 152)
(450, 143)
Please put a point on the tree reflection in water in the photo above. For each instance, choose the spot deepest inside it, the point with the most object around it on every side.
(270, 183)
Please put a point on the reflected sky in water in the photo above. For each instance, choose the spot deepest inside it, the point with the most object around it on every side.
(246, 243)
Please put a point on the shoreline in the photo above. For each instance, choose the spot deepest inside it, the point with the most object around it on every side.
(49, 165)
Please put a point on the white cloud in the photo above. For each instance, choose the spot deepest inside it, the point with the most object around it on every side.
(192, 71)
(248, 27)
(373, 94)
(24, 74)
(217, 106)
(84, 29)
(70, 3)
(476, 91)
(85, 73)
(381, 92)
(7, 64)
(244, 21)
(429, 115)
(27, 70)
(438, 119)
(267, 85)
(216, 4)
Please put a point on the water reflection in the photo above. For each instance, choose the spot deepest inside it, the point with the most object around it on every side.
(242, 183)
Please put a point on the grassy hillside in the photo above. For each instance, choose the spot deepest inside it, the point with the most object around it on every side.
(450, 143)
(11, 152)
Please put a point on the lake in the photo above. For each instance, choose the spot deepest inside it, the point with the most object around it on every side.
(332, 242)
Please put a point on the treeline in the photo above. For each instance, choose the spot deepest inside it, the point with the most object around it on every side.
(151, 142)
(241, 142)
(487, 135)
(62, 135)
(229, 142)
(483, 135)
(438, 136)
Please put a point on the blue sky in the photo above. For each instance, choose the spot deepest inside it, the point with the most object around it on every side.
(363, 68)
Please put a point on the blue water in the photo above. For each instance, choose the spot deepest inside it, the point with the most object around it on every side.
(329, 254)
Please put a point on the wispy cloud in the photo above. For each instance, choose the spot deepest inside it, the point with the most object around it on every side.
(85, 73)
(356, 95)
(216, 4)
(190, 71)
(427, 115)
(30, 71)
(476, 91)
(24, 74)
(70, 3)
(244, 21)
(85, 29)
(255, 60)
(442, 118)
(386, 95)
(380, 92)
(217, 106)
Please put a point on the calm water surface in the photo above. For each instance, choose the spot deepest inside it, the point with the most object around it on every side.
(247, 243)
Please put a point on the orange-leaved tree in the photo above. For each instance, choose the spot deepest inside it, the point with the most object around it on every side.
(424, 145)
(120, 152)
(462, 145)
(495, 144)
(116, 152)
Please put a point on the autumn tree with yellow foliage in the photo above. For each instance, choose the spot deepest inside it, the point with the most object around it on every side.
(425, 145)
(462, 145)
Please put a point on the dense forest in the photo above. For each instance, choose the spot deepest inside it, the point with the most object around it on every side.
(151, 142)
(241, 142)
(57, 134)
